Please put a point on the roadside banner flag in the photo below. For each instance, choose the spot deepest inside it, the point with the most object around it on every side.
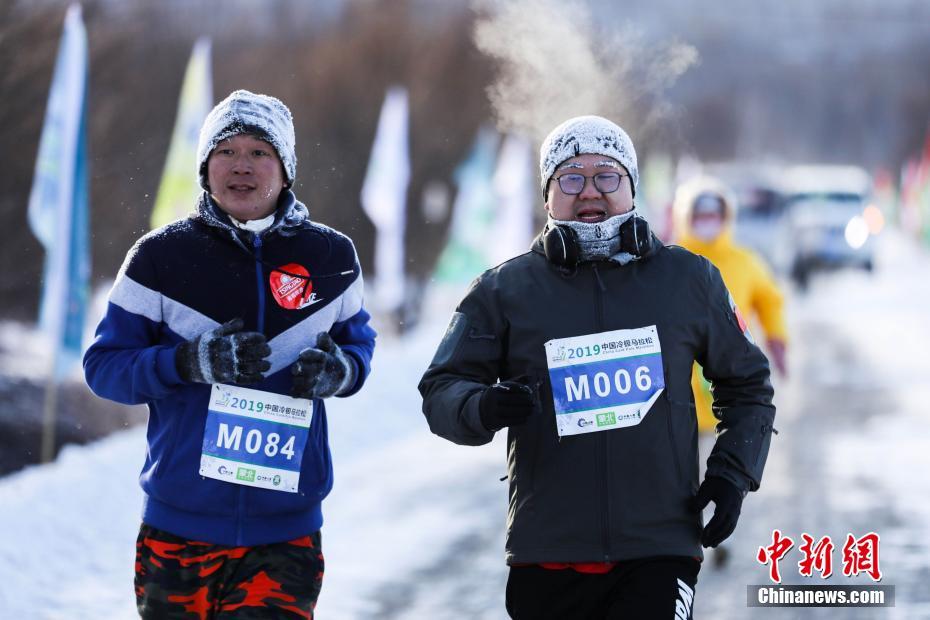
(179, 187)
(58, 214)
(384, 198)
(516, 192)
(466, 253)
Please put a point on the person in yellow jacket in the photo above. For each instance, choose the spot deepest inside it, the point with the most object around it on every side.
(705, 211)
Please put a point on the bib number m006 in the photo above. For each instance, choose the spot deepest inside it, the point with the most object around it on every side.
(604, 381)
(255, 438)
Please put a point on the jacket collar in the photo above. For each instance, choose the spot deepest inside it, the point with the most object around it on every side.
(291, 215)
(537, 244)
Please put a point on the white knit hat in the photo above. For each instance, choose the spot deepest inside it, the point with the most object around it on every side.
(586, 134)
(246, 112)
(687, 194)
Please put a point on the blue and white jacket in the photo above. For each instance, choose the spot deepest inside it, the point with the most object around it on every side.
(191, 276)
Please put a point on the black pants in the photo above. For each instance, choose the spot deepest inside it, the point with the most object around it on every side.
(658, 587)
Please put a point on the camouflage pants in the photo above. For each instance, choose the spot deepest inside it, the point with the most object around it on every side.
(184, 579)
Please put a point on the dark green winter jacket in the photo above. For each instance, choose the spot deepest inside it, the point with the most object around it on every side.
(622, 493)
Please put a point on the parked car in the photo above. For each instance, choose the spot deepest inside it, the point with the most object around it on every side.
(824, 223)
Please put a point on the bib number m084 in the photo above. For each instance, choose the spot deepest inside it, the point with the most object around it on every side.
(255, 438)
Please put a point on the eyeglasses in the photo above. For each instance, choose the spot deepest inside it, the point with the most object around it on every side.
(604, 182)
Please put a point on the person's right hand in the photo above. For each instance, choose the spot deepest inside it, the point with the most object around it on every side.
(777, 350)
(508, 403)
(224, 355)
(728, 501)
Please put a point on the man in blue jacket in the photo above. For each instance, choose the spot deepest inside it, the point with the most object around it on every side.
(247, 291)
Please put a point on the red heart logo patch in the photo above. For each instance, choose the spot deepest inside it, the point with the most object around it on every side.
(291, 286)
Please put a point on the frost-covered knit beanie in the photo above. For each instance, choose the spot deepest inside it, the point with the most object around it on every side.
(586, 134)
(245, 112)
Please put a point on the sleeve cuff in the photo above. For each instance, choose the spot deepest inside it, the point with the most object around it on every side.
(351, 384)
(166, 368)
(472, 417)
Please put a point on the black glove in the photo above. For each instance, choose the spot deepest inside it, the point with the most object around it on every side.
(322, 371)
(224, 355)
(727, 502)
(508, 403)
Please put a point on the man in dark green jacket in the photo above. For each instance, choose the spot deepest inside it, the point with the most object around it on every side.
(582, 348)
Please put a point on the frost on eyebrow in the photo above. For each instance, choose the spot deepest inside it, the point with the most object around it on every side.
(607, 163)
(573, 164)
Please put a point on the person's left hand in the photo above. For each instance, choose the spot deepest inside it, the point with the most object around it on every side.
(322, 371)
(727, 503)
(777, 349)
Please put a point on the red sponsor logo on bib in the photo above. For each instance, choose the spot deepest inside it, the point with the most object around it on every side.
(291, 286)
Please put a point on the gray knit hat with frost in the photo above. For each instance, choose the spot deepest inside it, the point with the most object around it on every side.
(246, 112)
(586, 134)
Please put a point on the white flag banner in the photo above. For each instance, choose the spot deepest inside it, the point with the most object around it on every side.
(516, 192)
(384, 198)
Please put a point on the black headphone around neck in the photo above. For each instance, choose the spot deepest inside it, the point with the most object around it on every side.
(560, 242)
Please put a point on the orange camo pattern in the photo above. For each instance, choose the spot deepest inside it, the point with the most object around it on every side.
(188, 579)
(259, 590)
(198, 603)
(170, 551)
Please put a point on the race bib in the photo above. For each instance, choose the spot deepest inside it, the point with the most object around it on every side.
(604, 381)
(255, 438)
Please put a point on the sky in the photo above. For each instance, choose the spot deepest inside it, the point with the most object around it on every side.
(414, 527)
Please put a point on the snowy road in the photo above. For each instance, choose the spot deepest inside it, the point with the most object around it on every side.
(414, 527)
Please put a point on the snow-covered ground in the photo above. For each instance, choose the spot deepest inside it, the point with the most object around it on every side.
(414, 526)
(854, 446)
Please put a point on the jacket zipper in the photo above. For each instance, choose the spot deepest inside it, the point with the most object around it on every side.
(671, 437)
(766, 430)
(600, 461)
(257, 244)
(260, 326)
